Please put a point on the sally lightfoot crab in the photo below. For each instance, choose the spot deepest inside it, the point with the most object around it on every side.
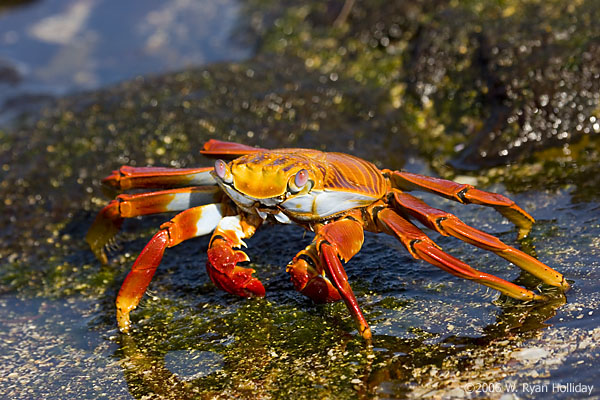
(336, 196)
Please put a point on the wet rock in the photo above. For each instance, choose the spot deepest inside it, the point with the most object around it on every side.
(8, 73)
(14, 3)
(476, 85)
(532, 354)
(271, 101)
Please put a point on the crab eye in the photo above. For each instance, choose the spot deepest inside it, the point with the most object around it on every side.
(222, 172)
(301, 178)
(220, 168)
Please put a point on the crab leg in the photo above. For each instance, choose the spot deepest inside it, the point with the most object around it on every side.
(449, 225)
(421, 247)
(465, 194)
(342, 239)
(128, 177)
(222, 258)
(219, 149)
(188, 224)
(110, 218)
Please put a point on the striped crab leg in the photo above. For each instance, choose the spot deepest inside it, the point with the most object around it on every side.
(193, 222)
(422, 247)
(450, 225)
(110, 218)
(465, 194)
(227, 150)
(127, 177)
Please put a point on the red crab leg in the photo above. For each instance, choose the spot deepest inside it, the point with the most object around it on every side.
(218, 149)
(158, 177)
(342, 239)
(449, 225)
(109, 219)
(309, 278)
(465, 194)
(222, 258)
(421, 247)
(190, 223)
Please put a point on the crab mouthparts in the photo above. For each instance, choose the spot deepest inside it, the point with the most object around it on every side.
(265, 211)
(264, 208)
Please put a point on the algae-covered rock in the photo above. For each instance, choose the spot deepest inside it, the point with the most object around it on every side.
(469, 85)
(495, 80)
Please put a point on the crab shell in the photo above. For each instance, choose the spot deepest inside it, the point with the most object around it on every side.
(263, 183)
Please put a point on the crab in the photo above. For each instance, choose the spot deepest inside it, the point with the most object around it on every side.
(337, 196)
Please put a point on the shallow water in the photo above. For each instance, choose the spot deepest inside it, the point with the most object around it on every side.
(435, 336)
(53, 47)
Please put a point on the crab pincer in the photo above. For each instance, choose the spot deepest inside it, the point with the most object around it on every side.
(223, 258)
(227, 275)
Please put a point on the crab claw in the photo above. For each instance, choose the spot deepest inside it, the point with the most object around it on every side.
(308, 281)
(225, 274)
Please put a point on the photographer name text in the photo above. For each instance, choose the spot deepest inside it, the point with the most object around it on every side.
(530, 388)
